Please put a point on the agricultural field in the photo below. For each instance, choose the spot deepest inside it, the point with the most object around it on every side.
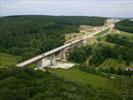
(74, 74)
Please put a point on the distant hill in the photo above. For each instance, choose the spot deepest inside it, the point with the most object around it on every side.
(125, 25)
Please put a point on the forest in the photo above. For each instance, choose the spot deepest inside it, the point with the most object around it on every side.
(120, 40)
(27, 84)
(125, 25)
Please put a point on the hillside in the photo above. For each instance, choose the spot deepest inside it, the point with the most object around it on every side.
(27, 84)
(100, 67)
(125, 25)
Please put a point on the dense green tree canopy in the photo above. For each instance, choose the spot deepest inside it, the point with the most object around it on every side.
(100, 52)
(79, 55)
(120, 40)
(125, 25)
(27, 84)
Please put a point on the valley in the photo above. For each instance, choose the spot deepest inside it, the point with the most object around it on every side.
(102, 68)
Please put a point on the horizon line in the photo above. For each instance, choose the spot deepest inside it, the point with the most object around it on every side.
(60, 15)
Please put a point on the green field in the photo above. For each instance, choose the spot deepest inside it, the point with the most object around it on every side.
(107, 43)
(8, 60)
(128, 35)
(108, 63)
(72, 36)
(74, 74)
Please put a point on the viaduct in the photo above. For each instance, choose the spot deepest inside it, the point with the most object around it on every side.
(62, 49)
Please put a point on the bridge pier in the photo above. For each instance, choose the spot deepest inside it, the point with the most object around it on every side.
(53, 60)
(67, 51)
(63, 55)
(79, 44)
(84, 41)
(40, 64)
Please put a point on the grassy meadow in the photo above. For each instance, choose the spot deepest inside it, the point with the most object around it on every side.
(8, 60)
(75, 74)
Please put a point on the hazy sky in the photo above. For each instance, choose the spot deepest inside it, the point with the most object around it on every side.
(110, 8)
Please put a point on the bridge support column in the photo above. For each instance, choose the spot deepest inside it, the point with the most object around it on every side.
(67, 51)
(53, 60)
(84, 42)
(79, 44)
(40, 64)
(63, 55)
